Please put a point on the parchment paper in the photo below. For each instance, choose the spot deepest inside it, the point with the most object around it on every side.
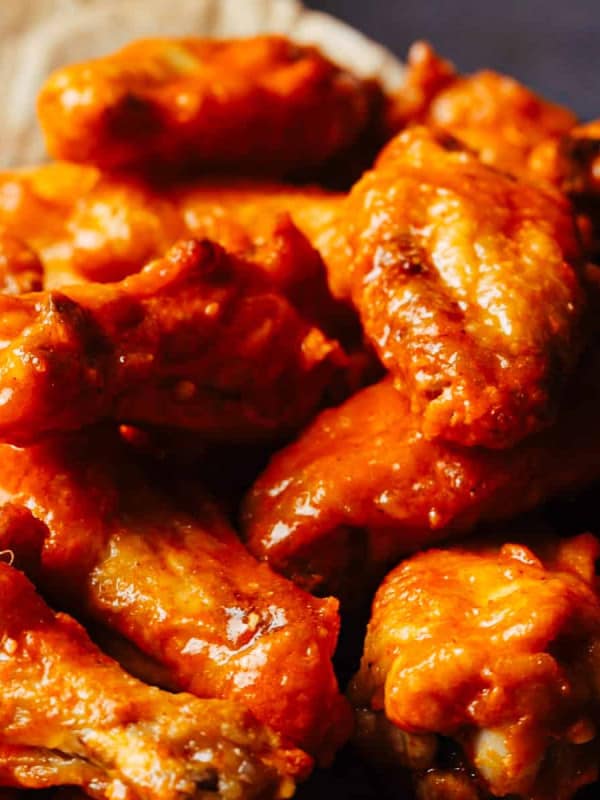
(36, 36)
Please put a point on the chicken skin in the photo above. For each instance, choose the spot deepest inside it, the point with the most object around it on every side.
(494, 115)
(173, 578)
(198, 340)
(71, 716)
(363, 486)
(232, 104)
(498, 650)
(468, 284)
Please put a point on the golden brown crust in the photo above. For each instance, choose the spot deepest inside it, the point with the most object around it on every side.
(173, 578)
(496, 647)
(467, 283)
(70, 715)
(253, 104)
(367, 466)
(198, 340)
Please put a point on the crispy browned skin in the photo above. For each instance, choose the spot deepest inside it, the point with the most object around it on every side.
(198, 340)
(366, 466)
(70, 715)
(252, 104)
(499, 118)
(179, 585)
(467, 282)
(498, 649)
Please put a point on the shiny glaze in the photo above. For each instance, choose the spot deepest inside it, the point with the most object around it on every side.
(198, 340)
(498, 648)
(366, 466)
(70, 715)
(179, 585)
(468, 284)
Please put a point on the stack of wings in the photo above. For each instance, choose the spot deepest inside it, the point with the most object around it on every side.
(265, 333)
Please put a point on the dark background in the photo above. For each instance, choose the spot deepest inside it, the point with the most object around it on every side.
(551, 45)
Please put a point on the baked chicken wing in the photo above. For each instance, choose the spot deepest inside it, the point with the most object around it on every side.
(198, 340)
(71, 716)
(253, 104)
(468, 284)
(21, 270)
(481, 670)
(494, 115)
(179, 585)
(363, 486)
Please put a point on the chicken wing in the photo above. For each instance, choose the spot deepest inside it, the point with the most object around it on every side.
(70, 715)
(237, 104)
(88, 225)
(496, 649)
(179, 585)
(198, 340)
(494, 115)
(468, 284)
(363, 486)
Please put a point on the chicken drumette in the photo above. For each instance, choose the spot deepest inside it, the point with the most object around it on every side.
(481, 670)
(363, 486)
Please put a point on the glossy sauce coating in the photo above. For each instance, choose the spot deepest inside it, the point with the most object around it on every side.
(498, 649)
(198, 340)
(177, 582)
(71, 716)
(363, 486)
(467, 283)
(229, 104)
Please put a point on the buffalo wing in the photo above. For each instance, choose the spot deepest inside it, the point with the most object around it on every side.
(173, 578)
(480, 670)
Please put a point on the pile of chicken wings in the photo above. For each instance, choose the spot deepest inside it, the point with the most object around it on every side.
(268, 332)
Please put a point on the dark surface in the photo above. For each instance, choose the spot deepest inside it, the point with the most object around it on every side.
(551, 45)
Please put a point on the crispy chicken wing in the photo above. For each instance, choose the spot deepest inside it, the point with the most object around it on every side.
(468, 284)
(88, 225)
(179, 585)
(497, 649)
(363, 485)
(499, 118)
(253, 104)
(198, 340)
(70, 715)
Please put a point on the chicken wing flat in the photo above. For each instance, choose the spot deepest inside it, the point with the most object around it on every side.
(468, 284)
(236, 104)
(70, 715)
(363, 486)
(179, 585)
(498, 651)
(197, 340)
(494, 115)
